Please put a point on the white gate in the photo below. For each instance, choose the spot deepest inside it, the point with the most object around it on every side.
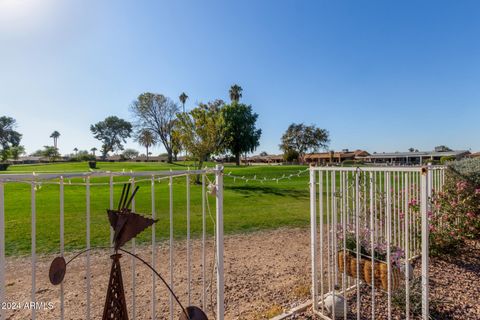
(210, 293)
(369, 241)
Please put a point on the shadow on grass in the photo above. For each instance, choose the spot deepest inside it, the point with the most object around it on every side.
(249, 191)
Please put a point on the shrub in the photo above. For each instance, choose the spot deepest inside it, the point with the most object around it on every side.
(455, 215)
(92, 164)
(446, 159)
(4, 166)
(291, 155)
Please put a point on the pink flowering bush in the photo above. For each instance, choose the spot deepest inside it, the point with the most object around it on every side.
(455, 215)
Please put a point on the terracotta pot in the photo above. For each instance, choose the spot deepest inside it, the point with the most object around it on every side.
(344, 259)
(381, 275)
(395, 279)
(367, 273)
(353, 267)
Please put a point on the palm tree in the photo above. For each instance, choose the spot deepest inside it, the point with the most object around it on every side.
(75, 150)
(235, 93)
(146, 139)
(55, 134)
(93, 150)
(183, 98)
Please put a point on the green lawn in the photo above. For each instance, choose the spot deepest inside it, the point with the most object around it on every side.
(248, 206)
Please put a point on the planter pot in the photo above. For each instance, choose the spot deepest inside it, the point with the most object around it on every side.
(344, 259)
(381, 275)
(353, 267)
(349, 259)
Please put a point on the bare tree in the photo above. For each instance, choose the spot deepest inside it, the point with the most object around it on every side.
(156, 113)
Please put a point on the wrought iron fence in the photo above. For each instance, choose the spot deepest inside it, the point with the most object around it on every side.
(63, 180)
(369, 240)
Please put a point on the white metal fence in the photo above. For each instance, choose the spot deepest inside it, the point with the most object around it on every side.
(212, 292)
(369, 241)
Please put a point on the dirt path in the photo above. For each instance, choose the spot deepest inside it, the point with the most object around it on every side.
(265, 272)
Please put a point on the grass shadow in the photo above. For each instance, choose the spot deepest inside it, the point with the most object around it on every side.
(249, 190)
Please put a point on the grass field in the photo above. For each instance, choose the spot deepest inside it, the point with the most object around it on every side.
(248, 206)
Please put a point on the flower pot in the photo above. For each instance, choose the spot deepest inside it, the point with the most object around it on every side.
(381, 275)
(367, 273)
(344, 259)
(353, 267)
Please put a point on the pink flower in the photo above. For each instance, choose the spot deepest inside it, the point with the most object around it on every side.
(477, 191)
(432, 228)
(452, 233)
(461, 185)
(402, 215)
(429, 214)
(471, 215)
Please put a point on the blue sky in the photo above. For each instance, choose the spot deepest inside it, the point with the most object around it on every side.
(379, 75)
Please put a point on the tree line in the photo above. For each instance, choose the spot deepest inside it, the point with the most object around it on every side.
(211, 128)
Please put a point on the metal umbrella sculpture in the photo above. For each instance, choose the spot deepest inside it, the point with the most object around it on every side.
(126, 225)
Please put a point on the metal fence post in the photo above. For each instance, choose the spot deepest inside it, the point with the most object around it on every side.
(425, 193)
(219, 240)
(313, 235)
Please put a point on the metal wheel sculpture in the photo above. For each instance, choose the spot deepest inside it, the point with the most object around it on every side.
(126, 225)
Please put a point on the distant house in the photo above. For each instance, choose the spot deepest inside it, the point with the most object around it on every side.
(415, 157)
(268, 159)
(29, 160)
(333, 157)
(475, 155)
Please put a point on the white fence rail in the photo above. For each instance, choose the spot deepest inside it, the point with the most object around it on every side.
(211, 290)
(369, 240)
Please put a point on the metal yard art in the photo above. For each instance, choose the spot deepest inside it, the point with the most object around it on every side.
(126, 225)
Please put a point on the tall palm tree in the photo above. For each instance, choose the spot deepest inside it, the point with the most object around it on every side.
(183, 98)
(75, 150)
(93, 150)
(235, 93)
(146, 139)
(55, 134)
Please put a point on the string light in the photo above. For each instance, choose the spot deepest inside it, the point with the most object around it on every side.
(265, 179)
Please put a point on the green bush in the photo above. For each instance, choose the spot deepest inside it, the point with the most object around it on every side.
(455, 215)
(291, 155)
(445, 160)
(4, 166)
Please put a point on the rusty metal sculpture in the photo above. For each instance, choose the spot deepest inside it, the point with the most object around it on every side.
(126, 225)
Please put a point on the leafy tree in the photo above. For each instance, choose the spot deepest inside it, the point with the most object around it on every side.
(235, 93)
(442, 148)
(302, 139)
(83, 155)
(241, 135)
(8, 136)
(130, 154)
(16, 152)
(263, 154)
(93, 151)
(146, 139)
(183, 98)
(50, 152)
(75, 150)
(290, 155)
(37, 153)
(55, 135)
(201, 131)
(112, 132)
(156, 113)
(411, 149)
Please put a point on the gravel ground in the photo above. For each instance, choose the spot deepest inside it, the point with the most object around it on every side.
(265, 273)
(454, 290)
